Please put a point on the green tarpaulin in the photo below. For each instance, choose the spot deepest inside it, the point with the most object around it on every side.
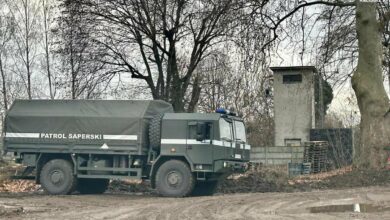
(82, 119)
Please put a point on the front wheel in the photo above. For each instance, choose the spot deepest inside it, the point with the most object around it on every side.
(57, 177)
(174, 179)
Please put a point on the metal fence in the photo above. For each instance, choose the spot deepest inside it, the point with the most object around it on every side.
(340, 141)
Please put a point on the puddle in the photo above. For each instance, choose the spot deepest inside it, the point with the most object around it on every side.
(349, 208)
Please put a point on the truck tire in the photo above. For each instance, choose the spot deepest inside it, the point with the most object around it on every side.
(92, 186)
(57, 177)
(205, 188)
(174, 179)
(155, 132)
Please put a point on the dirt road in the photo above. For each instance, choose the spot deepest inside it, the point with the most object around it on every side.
(234, 206)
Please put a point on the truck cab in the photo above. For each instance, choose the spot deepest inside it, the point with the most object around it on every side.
(210, 142)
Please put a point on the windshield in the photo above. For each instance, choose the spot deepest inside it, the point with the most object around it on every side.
(240, 131)
(225, 129)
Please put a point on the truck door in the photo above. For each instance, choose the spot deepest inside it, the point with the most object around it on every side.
(226, 137)
(199, 151)
(239, 139)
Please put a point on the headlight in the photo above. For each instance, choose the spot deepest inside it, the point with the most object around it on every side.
(199, 167)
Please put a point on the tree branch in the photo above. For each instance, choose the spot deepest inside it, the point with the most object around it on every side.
(291, 13)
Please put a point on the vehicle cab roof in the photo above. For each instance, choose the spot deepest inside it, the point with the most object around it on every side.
(198, 116)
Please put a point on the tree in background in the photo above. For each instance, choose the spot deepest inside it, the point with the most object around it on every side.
(240, 83)
(25, 13)
(162, 42)
(78, 54)
(6, 32)
(47, 7)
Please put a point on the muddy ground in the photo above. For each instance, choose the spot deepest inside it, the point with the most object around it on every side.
(258, 194)
(298, 205)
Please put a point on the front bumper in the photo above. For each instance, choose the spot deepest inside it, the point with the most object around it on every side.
(230, 166)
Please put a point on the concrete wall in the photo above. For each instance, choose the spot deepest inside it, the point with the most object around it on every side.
(277, 155)
(294, 105)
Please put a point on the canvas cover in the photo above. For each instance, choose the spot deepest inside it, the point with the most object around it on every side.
(82, 117)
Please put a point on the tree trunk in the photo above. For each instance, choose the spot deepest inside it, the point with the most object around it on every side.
(4, 88)
(195, 94)
(28, 69)
(72, 67)
(177, 94)
(47, 54)
(370, 92)
(176, 88)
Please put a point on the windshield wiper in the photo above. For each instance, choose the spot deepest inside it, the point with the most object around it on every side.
(240, 141)
(226, 139)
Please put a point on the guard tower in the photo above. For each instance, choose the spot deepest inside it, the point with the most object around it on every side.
(294, 104)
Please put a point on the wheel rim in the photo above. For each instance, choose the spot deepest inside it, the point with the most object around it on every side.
(56, 177)
(174, 179)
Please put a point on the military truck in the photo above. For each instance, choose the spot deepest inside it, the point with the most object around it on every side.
(79, 145)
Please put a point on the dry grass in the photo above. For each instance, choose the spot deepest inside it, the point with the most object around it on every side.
(8, 169)
(16, 186)
(320, 176)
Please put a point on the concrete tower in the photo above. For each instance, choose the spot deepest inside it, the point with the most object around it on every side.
(294, 104)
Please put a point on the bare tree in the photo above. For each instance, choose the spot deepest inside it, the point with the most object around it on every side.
(79, 53)
(6, 32)
(226, 83)
(25, 14)
(243, 85)
(169, 38)
(46, 32)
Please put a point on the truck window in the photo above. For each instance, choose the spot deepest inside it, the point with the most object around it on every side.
(239, 128)
(225, 129)
(192, 130)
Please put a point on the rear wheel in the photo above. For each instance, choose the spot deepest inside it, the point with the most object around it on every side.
(174, 179)
(57, 177)
(205, 188)
(92, 186)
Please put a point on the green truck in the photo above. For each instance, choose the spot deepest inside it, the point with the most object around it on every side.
(79, 145)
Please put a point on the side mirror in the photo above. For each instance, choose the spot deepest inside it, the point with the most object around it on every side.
(201, 131)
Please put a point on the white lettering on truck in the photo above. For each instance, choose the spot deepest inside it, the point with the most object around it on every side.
(86, 136)
(71, 136)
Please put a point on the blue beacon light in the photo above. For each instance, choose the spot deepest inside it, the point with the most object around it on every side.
(225, 112)
(221, 111)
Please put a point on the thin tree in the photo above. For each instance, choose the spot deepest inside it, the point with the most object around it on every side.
(46, 29)
(79, 53)
(25, 14)
(6, 32)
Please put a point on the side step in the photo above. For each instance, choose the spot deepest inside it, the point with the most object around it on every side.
(109, 172)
